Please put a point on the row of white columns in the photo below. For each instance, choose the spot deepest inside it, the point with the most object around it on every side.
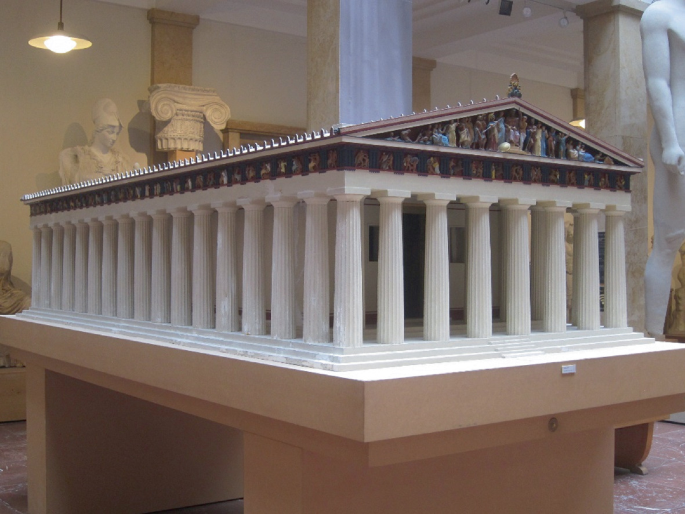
(170, 267)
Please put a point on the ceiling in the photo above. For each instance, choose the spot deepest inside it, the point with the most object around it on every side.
(457, 32)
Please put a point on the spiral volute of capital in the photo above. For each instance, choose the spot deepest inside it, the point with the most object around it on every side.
(217, 114)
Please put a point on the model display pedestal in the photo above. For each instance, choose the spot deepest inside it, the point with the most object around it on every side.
(12, 394)
(130, 425)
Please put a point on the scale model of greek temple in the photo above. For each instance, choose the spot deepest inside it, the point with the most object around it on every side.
(424, 238)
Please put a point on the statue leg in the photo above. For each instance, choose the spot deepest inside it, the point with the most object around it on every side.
(669, 233)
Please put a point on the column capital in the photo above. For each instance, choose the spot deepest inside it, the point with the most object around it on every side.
(181, 212)
(93, 221)
(251, 204)
(599, 7)
(159, 214)
(554, 204)
(183, 111)
(617, 210)
(348, 191)
(200, 209)
(517, 202)
(440, 197)
(588, 207)
(391, 193)
(314, 197)
(281, 200)
(140, 215)
(478, 200)
(56, 224)
(225, 206)
(108, 220)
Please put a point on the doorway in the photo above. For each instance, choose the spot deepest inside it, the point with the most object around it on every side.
(414, 244)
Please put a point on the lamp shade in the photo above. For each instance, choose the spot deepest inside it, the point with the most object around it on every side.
(60, 42)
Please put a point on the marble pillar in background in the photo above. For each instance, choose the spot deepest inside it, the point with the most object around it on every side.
(616, 112)
(343, 84)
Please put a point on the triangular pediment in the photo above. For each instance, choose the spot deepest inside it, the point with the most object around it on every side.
(509, 125)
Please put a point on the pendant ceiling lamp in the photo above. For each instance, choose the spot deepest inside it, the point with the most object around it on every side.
(60, 42)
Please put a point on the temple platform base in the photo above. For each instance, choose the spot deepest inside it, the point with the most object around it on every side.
(135, 425)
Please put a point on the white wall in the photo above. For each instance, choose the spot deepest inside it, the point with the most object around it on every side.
(261, 75)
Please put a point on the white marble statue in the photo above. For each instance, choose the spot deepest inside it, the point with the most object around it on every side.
(99, 158)
(663, 56)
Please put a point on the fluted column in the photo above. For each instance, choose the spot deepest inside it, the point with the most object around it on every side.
(57, 266)
(391, 268)
(316, 308)
(81, 268)
(283, 268)
(436, 300)
(516, 256)
(588, 267)
(348, 313)
(254, 298)
(503, 264)
(125, 265)
(181, 267)
(615, 298)
(45, 265)
(554, 310)
(537, 262)
(574, 276)
(478, 266)
(227, 318)
(160, 310)
(94, 267)
(109, 266)
(68, 263)
(36, 267)
(203, 268)
(142, 267)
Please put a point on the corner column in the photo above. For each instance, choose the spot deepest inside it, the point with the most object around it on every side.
(478, 266)
(517, 265)
(554, 307)
(348, 310)
(618, 115)
(283, 268)
(36, 267)
(227, 318)
(615, 304)
(391, 268)
(254, 297)
(436, 302)
(537, 262)
(587, 273)
(316, 326)
(574, 280)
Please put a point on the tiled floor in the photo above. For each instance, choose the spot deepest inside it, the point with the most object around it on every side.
(662, 491)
